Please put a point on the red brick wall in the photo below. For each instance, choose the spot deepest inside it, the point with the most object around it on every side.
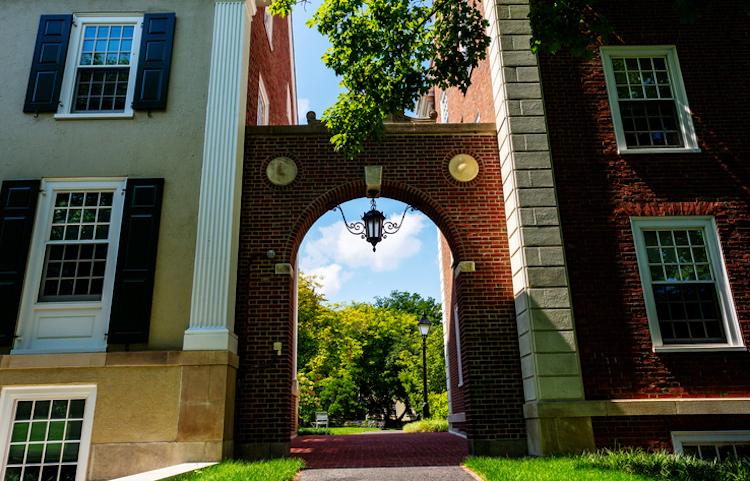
(457, 392)
(415, 171)
(598, 190)
(654, 432)
(275, 66)
(478, 99)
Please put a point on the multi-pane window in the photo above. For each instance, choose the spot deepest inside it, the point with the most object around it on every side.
(77, 245)
(45, 440)
(444, 107)
(683, 285)
(268, 24)
(100, 71)
(649, 106)
(688, 300)
(264, 116)
(104, 68)
(717, 451)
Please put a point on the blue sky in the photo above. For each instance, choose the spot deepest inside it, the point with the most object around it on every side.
(317, 87)
(345, 264)
(348, 269)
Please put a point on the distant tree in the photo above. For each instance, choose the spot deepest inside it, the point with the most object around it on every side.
(361, 359)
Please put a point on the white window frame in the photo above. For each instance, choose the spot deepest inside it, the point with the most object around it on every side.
(27, 340)
(718, 268)
(680, 438)
(268, 24)
(67, 92)
(9, 396)
(459, 362)
(444, 107)
(263, 97)
(678, 91)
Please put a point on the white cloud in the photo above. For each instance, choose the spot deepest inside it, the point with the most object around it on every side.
(303, 106)
(334, 252)
(330, 277)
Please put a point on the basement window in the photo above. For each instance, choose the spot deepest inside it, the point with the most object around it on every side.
(47, 433)
(713, 446)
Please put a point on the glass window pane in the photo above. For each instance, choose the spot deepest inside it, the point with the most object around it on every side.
(70, 452)
(23, 410)
(20, 432)
(53, 452)
(41, 409)
(34, 453)
(76, 408)
(16, 454)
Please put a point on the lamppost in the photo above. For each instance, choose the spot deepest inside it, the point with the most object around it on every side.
(424, 329)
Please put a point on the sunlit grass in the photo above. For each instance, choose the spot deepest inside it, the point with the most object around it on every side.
(334, 431)
(544, 469)
(275, 470)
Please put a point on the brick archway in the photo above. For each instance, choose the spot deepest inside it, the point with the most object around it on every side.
(471, 215)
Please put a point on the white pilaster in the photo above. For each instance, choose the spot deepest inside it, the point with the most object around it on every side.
(214, 276)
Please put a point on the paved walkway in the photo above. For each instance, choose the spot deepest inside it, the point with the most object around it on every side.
(382, 449)
(438, 473)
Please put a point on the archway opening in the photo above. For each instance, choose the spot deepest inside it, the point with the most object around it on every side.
(359, 361)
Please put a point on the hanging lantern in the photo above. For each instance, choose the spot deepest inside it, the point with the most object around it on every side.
(373, 228)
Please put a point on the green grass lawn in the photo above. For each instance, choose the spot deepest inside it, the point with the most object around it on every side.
(276, 470)
(543, 469)
(334, 431)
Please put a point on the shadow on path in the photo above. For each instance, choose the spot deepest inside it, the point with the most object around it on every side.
(386, 449)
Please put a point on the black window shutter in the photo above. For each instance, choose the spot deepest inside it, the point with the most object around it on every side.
(50, 51)
(17, 209)
(136, 262)
(154, 61)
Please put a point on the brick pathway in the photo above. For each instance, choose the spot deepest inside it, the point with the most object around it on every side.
(386, 449)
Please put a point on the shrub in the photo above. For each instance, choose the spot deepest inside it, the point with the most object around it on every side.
(302, 431)
(427, 426)
(438, 404)
(665, 466)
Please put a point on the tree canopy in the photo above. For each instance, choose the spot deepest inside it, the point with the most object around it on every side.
(358, 360)
(389, 53)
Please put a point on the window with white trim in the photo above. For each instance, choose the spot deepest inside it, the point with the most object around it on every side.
(70, 277)
(647, 96)
(100, 71)
(459, 362)
(688, 300)
(264, 116)
(45, 432)
(444, 107)
(268, 23)
(713, 446)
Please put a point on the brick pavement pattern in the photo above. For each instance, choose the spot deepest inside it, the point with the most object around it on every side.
(380, 450)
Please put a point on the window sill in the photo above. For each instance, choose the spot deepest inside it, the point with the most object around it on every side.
(676, 150)
(699, 348)
(118, 115)
(51, 351)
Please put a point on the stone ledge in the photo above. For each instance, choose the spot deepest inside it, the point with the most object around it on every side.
(637, 407)
(119, 359)
(404, 128)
